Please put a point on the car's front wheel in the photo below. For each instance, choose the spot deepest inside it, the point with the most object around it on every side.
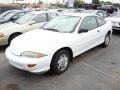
(60, 62)
(107, 40)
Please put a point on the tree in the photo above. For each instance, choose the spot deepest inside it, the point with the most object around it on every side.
(108, 3)
(40, 2)
(102, 2)
(77, 3)
(95, 1)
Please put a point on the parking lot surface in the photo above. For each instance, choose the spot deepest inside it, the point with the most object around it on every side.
(97, 69)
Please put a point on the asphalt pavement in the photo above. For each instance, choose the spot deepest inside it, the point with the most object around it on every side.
(96, 69)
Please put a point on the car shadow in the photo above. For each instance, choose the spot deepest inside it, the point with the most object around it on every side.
(116, 32)
(2, 48)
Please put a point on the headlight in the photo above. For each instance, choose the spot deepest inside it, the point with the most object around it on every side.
(1, 35)
(32, 54)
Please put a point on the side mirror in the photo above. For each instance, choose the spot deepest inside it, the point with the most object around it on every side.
(83, 30)
(32, 22)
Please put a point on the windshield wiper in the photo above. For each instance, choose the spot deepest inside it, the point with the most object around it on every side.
(51, 29)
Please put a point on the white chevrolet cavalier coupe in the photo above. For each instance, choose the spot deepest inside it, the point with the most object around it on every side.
(54, 45)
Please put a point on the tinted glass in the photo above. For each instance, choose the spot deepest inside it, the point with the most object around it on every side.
(100, 21)
(64, 24)
(40, 18)
(101, 14)
(51, 15)
(89, 23)
(9, 15)
(25, 18)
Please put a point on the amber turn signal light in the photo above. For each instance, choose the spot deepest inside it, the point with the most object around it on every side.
(31, 65)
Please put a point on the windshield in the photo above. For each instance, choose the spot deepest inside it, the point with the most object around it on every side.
(8, 15)
(3, 14)
(65, 24)
(25, 18)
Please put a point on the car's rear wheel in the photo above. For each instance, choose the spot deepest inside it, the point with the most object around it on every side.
(106, 40)
(12, 37)
(60, 62)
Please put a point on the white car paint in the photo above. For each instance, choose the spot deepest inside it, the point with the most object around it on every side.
(8, 29)
(48, 42)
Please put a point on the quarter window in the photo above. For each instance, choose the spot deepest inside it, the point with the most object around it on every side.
(89, 23)
(101, 14)
(100, 21)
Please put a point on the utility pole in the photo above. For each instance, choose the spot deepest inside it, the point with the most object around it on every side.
(13, 1)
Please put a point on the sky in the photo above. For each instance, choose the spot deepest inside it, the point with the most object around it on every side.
(53, 1)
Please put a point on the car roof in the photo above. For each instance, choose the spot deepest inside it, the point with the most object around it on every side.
(38, 12)
(20, 10)
(78, 14)
(91, 11)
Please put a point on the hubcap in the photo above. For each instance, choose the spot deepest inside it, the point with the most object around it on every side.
(63, 62)
(107, 39)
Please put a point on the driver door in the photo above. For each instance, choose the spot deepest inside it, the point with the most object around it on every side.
(87, 40)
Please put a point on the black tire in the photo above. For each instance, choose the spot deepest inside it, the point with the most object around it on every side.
(54, 67)
(12, 37)
(106, 40)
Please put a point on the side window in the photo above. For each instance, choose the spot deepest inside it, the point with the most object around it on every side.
(20, 15)
(89, 23)
(100, 14)
(106, 15)
(40, 18)
(100, 21)
(51, 15)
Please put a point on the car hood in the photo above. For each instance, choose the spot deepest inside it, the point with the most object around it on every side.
(113, 19)
(38, 40)
(8, 26)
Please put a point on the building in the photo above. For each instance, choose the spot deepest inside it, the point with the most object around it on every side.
(19, 1)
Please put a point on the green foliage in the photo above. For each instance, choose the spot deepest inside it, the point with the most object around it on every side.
(59, 5)
(110, 3)
(77, 3)
(116, 5)
(40, 2)
(95, 1)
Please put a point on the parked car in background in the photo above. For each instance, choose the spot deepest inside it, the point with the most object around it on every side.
(100, 13)
(29, 21)
(6, 8)
(73, 11)
(54, 45)
(57, 10)
(108, 8)
(11, 15)
(115, 20)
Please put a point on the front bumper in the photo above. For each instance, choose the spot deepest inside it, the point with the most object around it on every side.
(42, 64)
(115, 28)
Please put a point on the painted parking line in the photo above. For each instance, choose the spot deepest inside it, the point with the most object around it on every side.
(98, 70)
